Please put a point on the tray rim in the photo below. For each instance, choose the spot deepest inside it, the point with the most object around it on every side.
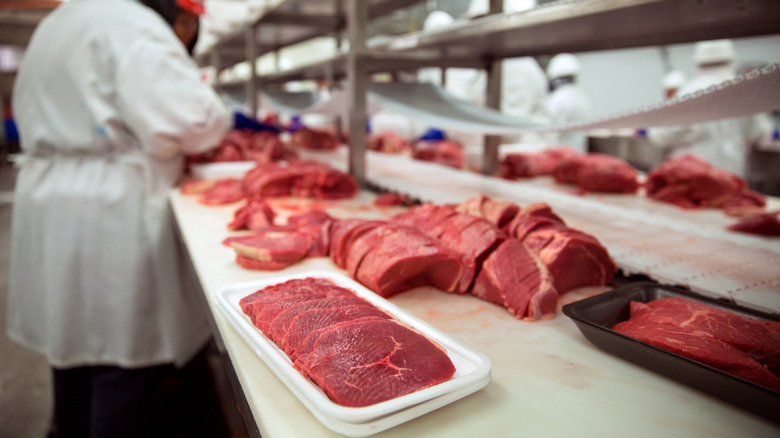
(360, 421)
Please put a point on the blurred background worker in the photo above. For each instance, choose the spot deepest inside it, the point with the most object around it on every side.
(672, 82)
(107, 101)
(724, 143)
(567, 103)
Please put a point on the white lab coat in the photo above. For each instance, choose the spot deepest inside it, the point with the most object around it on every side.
(107, 100)
(724, 143)
(566, 105)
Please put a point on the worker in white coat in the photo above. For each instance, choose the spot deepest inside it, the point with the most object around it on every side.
(724, 143)
(107, 101)
(567, 103)
(672, 82)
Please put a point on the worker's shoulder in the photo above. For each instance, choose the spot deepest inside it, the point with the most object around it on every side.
(112, 19)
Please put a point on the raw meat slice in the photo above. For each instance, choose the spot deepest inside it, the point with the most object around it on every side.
(389, 199)
(527, 165)
(606, 173)
(312, 287)
(306, 327)
(763, 224)
(513, 277)
(254, 215)
(281, 323)
(697, 344)
(268, 180)
(343, 233)
(264, 316)
(311, 139)
(499, 213)
(574, 259)
(197, 186)
(389, 143)
(533, 217)
(225, 191)
(473, 238)
(760, 339)
(375, 360)
(261, 265)
(274, 247)
(313, 217)
(407, 259)
(249, 237)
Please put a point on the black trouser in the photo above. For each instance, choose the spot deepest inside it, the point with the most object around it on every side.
(159, 401)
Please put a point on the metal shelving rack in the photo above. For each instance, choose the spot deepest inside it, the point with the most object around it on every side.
(567, 25)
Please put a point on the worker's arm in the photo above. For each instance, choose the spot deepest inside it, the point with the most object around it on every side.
(163, 100)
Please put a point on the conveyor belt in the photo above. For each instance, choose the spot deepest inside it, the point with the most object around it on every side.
(670, 245)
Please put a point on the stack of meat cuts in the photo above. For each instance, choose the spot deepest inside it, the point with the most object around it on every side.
(690, 182)
(311, 139)
(444, 152)
(301, 178)
(529, 165)
(591, 172)
(389, 143)
(254, 215)
(245, 145)
(742, 346)
(356, 353)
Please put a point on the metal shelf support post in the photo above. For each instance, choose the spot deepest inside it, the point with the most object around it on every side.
(357, 82)
(251, 56)
(492, 100)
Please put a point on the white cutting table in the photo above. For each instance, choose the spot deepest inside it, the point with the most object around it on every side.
(547, 379)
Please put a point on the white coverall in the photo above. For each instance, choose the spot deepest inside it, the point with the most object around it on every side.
(723, 143)
(568, 104)
(107, 101)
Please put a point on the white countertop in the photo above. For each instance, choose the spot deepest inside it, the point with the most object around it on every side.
(547, 380)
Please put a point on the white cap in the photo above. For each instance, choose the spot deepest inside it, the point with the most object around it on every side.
(482, 7)
(673, 79)
(710, 52)
(563, 64)
(477, 8)
(437, 20)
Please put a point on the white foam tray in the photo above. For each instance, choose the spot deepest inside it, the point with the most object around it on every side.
(229, 169)
(472, 368)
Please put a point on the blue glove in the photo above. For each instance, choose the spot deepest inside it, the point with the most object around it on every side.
(241, 121)
(433, 134)
(295, 124)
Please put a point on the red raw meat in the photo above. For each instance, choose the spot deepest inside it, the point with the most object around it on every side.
(281, 323)
(311, 139)
(272, 250)
(718, 338)
(298, 178)
(764, 224)
(527, 165)
(313, 217)
(371, 361)
(226, 191)
(513, 277)
(405, 259)
(304, 329)
(530, 218)
(599, 173)
(499, 213)
(254, 215)
(690, 182)
(254, 303)
(389, 143)
(574, 259)
(446, 152)
(343, 233)
(389, 199)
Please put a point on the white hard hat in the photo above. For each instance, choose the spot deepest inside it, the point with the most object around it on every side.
(673, 79)
(477, 8)
(518, 5)
(437, 20)
(709, 52)
(563, 64)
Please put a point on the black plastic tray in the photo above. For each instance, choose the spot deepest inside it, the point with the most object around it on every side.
(596, 315)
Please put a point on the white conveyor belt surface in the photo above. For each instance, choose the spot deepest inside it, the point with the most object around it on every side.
(671, 245)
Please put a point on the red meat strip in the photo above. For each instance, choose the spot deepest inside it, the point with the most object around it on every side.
(265, 315)
(696, 342)
(532, 217)
(405, 259)
(574, 259)
(691, 182)
(197, 186)
(226, 191)
(313, 217)
(311, 139)
(371, 361)
(389, 199)
(763, 224)
(254, 215)
(513, 277)
(342, 234)
(281, 323)
(599, 173)
(311, 287)
(389, 143)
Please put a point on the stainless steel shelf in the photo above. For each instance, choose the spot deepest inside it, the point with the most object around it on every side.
(594, 25)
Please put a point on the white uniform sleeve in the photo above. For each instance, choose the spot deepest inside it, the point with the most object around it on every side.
(165, 103)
